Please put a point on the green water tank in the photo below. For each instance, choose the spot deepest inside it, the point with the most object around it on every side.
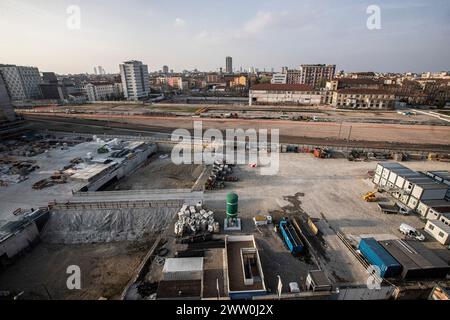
(232, 205)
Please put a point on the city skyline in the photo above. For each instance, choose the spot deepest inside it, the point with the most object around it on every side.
(199, 35)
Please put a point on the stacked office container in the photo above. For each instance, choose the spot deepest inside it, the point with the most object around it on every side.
(408, 186)
(441, 176)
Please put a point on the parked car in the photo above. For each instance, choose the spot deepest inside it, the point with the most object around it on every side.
(411, 232)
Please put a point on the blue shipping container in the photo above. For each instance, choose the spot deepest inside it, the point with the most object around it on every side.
(291, 237)
(378, 256)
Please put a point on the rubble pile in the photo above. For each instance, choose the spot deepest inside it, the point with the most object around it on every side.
(194, 219)
(220, 173)
(15, 171)
(35, 144)
(60, 176)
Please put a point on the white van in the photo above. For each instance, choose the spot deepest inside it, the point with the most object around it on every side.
(412, 232)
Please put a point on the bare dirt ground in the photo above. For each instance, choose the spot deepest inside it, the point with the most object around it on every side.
(379, 132)
(160, 174)
(105, 270)
(324, 112)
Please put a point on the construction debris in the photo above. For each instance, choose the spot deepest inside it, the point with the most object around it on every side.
(194, 219)
(15, 171)
(58, 177)
(31, 145)
(220, 173)
(322, 153)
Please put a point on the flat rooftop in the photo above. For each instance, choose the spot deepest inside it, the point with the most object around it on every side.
(235, 267)
(183, 264)
(91, 171)
(436, 203)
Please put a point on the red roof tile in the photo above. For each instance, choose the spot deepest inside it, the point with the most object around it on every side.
(282, 87)
(364, 91)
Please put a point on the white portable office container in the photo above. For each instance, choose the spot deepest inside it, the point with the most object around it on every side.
(392, 177)
(376, 179)
(433, 214)
(413, 203)
(432, 209)
(386, 172)
(445, 218)
(439, 231)
(422, 209)
(379, 169)
(429, 191)
(404, 198)
(400, 182)
(395, 173)
(403, 177)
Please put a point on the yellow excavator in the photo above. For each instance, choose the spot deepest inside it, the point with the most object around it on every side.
(370, 196)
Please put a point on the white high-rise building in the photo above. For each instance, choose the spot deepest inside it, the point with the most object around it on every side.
(135, 80)
(22, 82)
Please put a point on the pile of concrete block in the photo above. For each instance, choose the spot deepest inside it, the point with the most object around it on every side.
(195, 219)
(220, 172)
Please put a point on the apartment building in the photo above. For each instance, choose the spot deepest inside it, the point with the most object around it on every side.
(177, 83)
(21, 82)
(135, 80)
(357, 98)
(102, 91)
(284, 94)
(238, 81)
(293, 76)
(213, 78)
(316, 75)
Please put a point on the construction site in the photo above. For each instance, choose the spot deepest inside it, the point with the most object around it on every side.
(143, 228)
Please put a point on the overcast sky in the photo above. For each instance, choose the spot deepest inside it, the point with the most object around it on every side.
(188, 34)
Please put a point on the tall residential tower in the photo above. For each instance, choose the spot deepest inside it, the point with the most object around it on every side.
(229, 65)
(135, 81)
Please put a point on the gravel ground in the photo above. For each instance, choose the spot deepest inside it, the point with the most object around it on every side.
(330, 191)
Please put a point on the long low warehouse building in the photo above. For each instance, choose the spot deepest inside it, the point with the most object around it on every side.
(418, 262)
(298, 94)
